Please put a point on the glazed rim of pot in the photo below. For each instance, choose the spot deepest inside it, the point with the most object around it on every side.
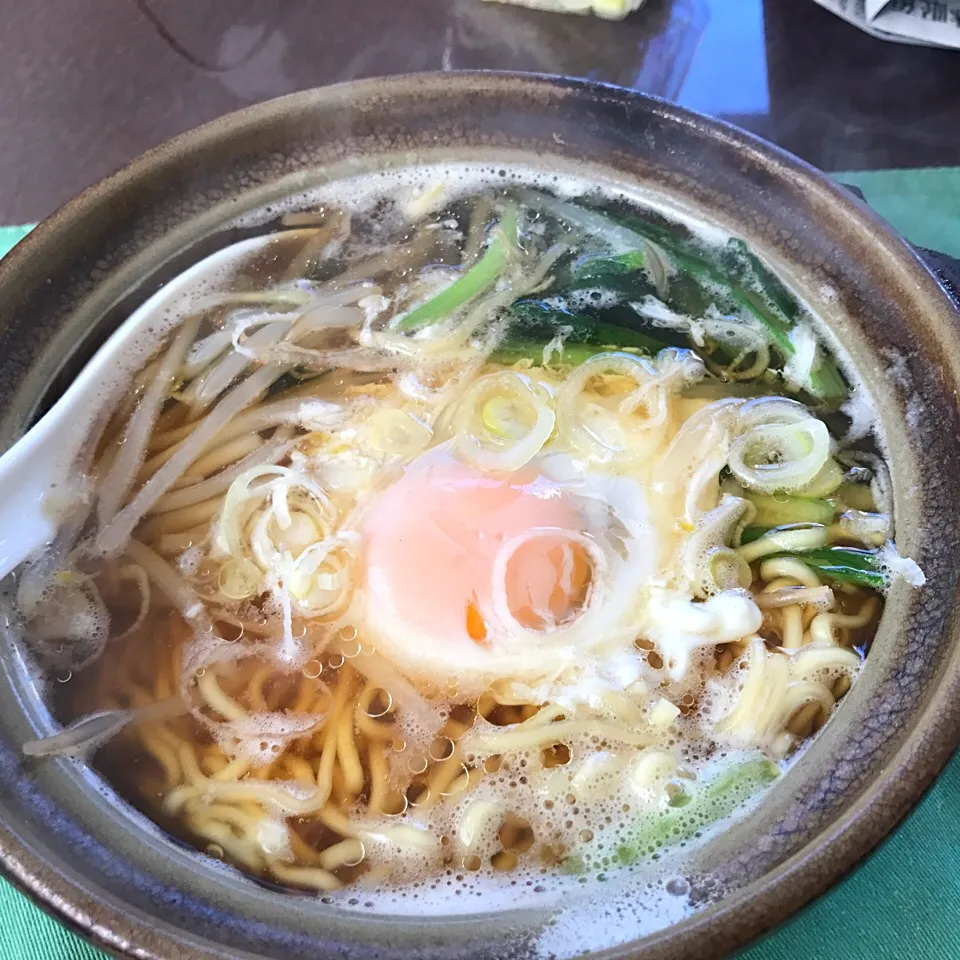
(101, 867)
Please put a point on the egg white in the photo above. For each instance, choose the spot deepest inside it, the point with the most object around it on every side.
(534, 664)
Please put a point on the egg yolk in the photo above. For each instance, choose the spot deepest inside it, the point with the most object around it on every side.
(431, 541)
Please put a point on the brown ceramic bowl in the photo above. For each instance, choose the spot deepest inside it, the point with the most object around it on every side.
(100, 867)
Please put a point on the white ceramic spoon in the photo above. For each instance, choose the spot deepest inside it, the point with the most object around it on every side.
(39, 464)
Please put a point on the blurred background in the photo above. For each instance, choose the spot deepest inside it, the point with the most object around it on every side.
(85, 86)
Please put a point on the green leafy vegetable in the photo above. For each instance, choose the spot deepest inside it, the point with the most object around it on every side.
(846, 565)
(535, 324)
(752, 533)
(736, 280)
(480, 277)
(740, 262)
(826, 380)
(693, 262)
(619, 273)
(840, 564)
(714, 801)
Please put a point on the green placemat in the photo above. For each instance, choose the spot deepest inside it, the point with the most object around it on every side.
(924, 205)
(904, 902)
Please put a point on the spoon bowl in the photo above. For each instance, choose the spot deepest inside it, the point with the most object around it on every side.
(38, 474)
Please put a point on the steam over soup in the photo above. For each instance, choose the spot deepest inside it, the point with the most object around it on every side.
(466, 534)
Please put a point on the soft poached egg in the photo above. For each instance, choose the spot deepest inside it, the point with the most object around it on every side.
(473, 577)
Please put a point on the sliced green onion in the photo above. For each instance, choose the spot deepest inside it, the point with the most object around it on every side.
(856, 496)
(503, 421)
(480, 277)
(771, 457)
(502, 418)
(840, 564)
(686, 260)
(826, 381)
(825, 482)
(775, 511)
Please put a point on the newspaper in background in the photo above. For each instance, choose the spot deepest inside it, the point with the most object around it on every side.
(932, 22)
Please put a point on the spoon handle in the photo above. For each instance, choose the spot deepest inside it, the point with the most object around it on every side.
(34, 470)
(38, 467)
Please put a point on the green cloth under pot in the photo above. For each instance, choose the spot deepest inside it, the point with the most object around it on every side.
(903, 903)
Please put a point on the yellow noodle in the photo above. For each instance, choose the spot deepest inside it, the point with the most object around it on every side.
(163, 732)
(802, 721)
(792, 619)
(304, 853)
(810, 538)
(261, 791)
(314, 877)
(328, 758)
(345, 853)
(138, 696)
(378, 776)
(241, 850)
(214, 763)
(305, 695)
(163, 753)
(455, 729)
(165, 685)
(441, 776)
(460, 785)
(191, 767)
(377, 728)
(340, 794)
(211, 762)
(234, 770)
(780, 583)
(823, 626)
(225, 813)
(216, 699)
(840, 686)
(220, 457)
(331, 817)
(787, 595)
(179, 521)
(255, 697)
(788, 567)
(170, 544)
(300, 770)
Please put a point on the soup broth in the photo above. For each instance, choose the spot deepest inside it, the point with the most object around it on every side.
(478, 530)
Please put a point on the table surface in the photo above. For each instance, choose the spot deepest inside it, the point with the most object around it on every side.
(87, 86)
